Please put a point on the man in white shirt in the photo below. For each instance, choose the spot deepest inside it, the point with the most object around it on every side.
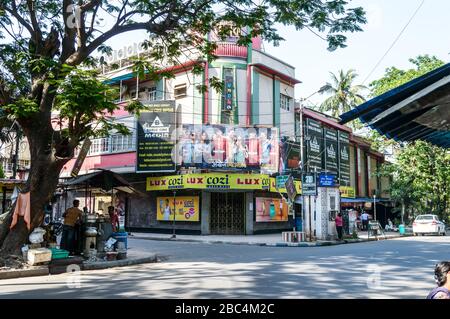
(365, 220)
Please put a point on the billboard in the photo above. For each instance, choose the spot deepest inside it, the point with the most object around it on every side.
(314, 146)
(187, 208)
(154, 144)
(331, 150)
(344, 158)
(229, 147)
(291, 155)
(271, 210)
(209, 181)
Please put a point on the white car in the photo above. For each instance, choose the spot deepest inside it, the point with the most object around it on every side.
(428, 224)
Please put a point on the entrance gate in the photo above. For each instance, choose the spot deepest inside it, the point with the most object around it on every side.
(227, 213)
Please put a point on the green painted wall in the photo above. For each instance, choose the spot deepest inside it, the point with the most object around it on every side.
(255, 97)
(276, 103)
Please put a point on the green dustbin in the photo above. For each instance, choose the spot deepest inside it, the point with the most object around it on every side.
(401, 229)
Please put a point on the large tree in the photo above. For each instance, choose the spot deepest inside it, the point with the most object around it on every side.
(344, 94)
(421, 172)
(45, 42)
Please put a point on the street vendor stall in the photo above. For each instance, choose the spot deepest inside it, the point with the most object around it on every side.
(100, 202)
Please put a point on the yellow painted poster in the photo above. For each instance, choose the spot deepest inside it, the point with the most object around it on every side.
(347, 192)
(187, 208)
(209, 181)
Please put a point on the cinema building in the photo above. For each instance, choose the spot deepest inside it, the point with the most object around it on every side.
(218, 172)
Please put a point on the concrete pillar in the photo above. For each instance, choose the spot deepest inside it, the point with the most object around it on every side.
(205, 215)
(249, 212)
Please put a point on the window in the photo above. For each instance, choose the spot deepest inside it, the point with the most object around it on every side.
(121, 143)
(180, 91)
(285, 102)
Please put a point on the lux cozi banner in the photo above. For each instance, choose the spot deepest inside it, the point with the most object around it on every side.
(187, 208)
(229, 147)
(209, 181)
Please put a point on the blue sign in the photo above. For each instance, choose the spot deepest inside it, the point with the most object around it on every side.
(328, 180)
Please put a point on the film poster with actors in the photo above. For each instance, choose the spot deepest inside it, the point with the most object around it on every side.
(229, 147)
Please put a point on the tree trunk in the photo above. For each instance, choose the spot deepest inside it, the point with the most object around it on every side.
(42, 182)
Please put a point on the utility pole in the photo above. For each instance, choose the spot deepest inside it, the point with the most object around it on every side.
(302, 162)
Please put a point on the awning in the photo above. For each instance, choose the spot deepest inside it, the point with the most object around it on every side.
(417, 110)
(363, 200)
(103, 179)
(9, 184)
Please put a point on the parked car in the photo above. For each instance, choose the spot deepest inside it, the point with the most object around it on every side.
(428, 224)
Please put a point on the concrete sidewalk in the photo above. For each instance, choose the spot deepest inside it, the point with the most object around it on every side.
(133, 258)
(255, 240)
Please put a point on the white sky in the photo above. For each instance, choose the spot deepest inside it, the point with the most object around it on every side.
(428, 33)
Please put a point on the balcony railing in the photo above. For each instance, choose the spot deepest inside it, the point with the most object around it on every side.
(231, 50)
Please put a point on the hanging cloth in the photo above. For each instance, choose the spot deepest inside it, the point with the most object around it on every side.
(22, 209)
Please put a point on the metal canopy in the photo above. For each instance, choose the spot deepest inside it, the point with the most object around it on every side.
(104, 179)
(417, 110)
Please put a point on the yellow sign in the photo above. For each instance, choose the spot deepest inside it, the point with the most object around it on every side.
(347, 192)
(186, 208)
(209, 181)
(273, 186)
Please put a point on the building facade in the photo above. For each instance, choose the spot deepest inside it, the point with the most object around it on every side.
(250, 131)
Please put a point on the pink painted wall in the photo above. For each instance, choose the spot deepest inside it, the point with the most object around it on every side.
(103, 161)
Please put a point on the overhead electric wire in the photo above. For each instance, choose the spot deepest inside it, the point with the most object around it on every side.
(394, 42)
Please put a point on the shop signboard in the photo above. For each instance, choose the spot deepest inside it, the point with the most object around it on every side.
(81, 157)
(281, 180)
(331, 151)
(328, 180)
(228, 93)
(309, 184)
(229, 147)
(347, 192)
(187, 208)
(218, 181)
(291, 155)
(314, 145)
(271, 210)
(155, 126)
(282, 190)
(344, 159)
(290, 188)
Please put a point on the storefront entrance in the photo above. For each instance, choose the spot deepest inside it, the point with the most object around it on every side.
(227, 213)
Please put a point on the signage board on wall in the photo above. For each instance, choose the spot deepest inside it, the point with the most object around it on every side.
(271, 210)
(187, 208)
(209, 181)
(331, 151)
(274, 189)
(155, 126)
(229, 147)
(347, 192)
(314, 146)
(228, 93)
(344, 159)
(309, 184)
(328, 180)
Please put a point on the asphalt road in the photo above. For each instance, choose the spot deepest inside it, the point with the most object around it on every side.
(400, 268)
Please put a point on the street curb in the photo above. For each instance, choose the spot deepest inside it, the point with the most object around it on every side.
(39, 271)
(281, 244)
(119, 263)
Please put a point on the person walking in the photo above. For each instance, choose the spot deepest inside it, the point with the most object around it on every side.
(71, 217)
(365, 220)
(339, 224)
(442, 278)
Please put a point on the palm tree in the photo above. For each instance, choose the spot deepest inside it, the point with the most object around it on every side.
(344, 95)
